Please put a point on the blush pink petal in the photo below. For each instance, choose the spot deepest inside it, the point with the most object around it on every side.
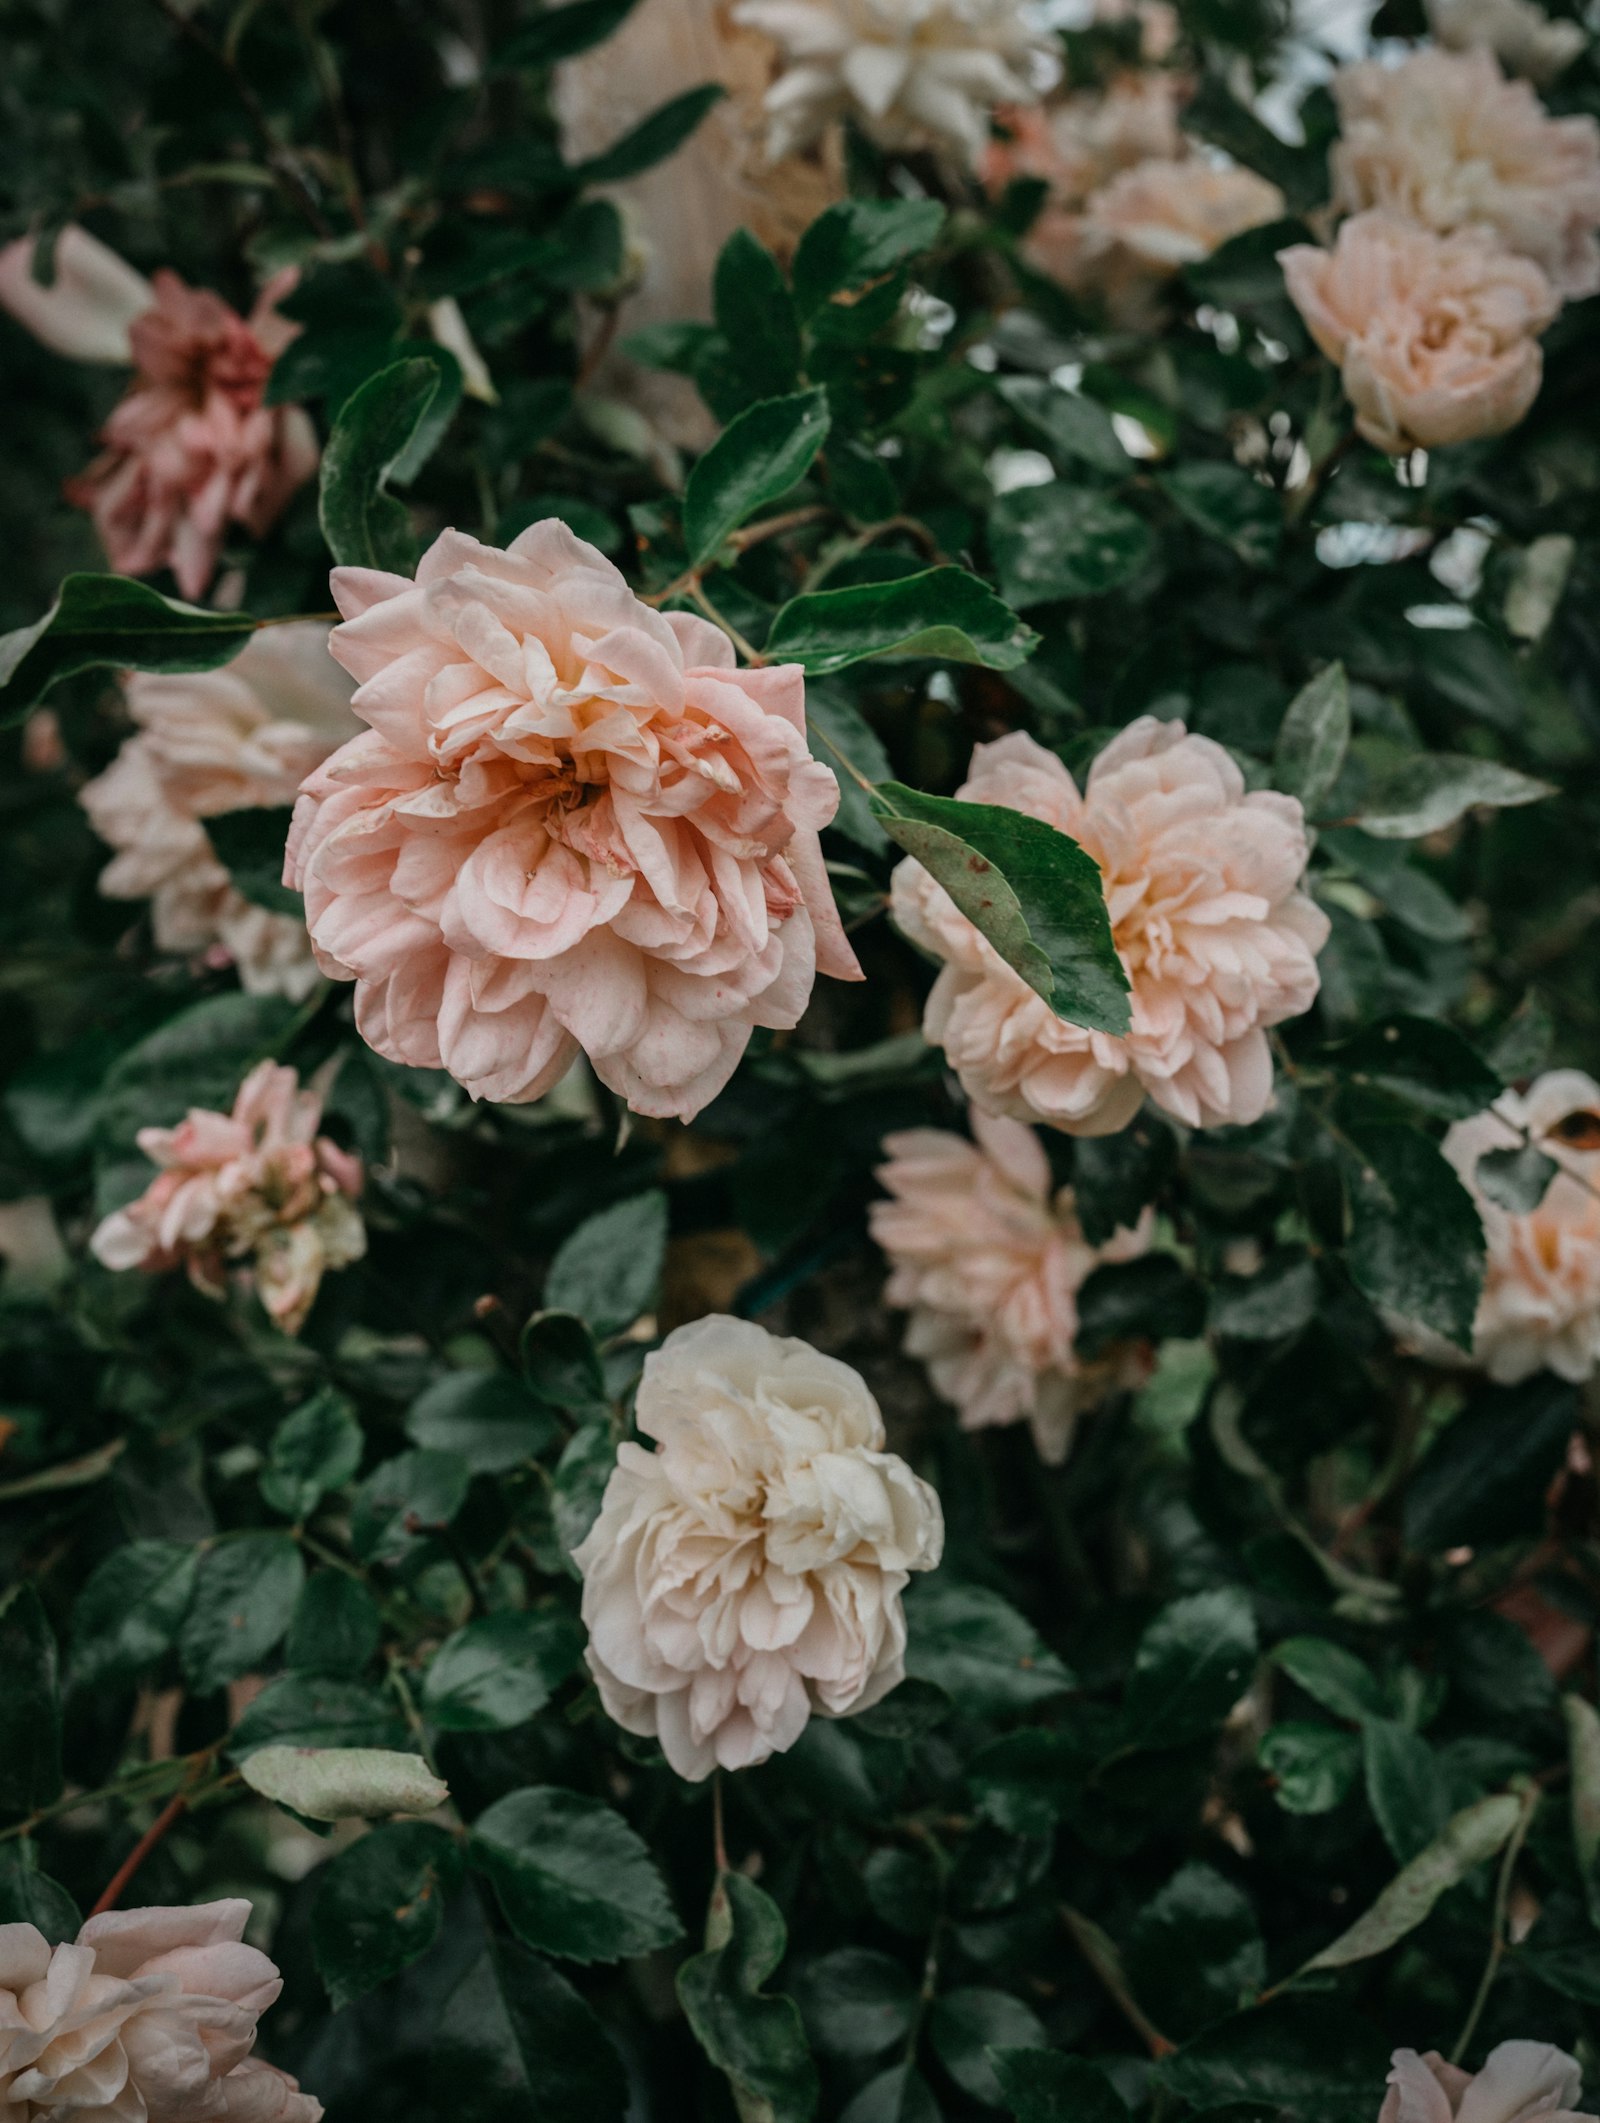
(87, 310)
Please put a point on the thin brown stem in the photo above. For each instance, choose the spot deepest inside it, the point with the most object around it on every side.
(165, 1819)
(719, 1845)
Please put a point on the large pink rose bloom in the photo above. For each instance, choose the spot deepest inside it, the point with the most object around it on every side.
(988, 1258)
(258, 1183)
(1436, 337)
(1201, 883)
(192, 448)
(1445, 140)
(148, 2017)
(572, 823)
(1519, 2081)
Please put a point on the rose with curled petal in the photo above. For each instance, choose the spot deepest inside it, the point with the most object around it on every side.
(1436, 337)
(1202, 888)
(572, 823)
(149, 2016)
(749, 1570)
(988, 1258)
(1443, 139)
(1518, 2082)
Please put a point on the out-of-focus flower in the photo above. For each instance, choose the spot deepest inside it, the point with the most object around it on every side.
(573, 823)
(1445, 140)
(1519, 2081)
(911, 73)
(1076, 146)
(1518, 32)
(241, 737)
(1436, 337)
(88, 308)
(149, 2016)
(193, 447)
(988, 1257)
(1540, 1308)
(1157, 217)
(750, 1569)
(259, 1184)
(1201, 886)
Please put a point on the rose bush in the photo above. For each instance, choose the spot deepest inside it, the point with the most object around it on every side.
(593, 1524)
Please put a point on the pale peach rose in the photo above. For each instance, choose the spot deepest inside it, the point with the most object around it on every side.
(1519, 33)
(573, 823)
(193, 448)
(910, 73)
(90, 305)
(1519, 2081)
(1436, 337)
(988, 1257)
(258, 1184)
(206, 742)
(1540, 1308)
(1148, 223)
(1444, 139)
(148, 2017)
(1201, 887)
(750, 1569)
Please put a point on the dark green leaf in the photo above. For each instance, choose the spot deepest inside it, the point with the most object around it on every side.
(856, 2002)
(128, 1614)
(1404, 1787)
(1149, 1298)
(1313, 2056)
(572, 1877)
(535, 2041)
(412, 1495)
(336, 1627)
(943, 612)
(898, 2095)
(756, 318)
(1516, 1180)
(1072, 424)
(1484, 1478)
(1217, 115)
(843, 729)
(859, 240)
(1313, 1767)
(752, 2037)
(107, 622)
(319, 1710)
(1416, 1243)
(609, 1270)
(1065, 541)
(1424, 794)
(28, 1896)
(753, 463)
(380, 1904)
(562, 1364)
(1498, 1671)
(968, 1641)
(1043, 2086)
(1228, 504)
(313, 1451)
(964, 2025)
(1467, 1840)
(30, 1705)
(365, 526)
(560, 33)
(1279, 1299)
(1331, 1676)
(244, 1598)
(582, 1473)
(1473, 670)
(483, 1417)
(1313, 738)
(1191, 1667)
(498, 1672)
(1196, 1948)
(249, 845)
(653, 139)
(1029, 888)
(1422, 1061)
(197, 1058)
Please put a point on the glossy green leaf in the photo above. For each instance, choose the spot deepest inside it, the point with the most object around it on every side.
(244, 1599)
(533, 2042)
(660, 134)
(856, 2002)
(314, 1450)
(1313, 739)
(1424, 1062)
(1331, 1676)
(486, 1418)
(127, 1615)
(1191, 1667)
(1405, 1788)
(1073, 425)
(1225, 502)
(752, 2036)
(560, 33)
(1416, 1242)
(609, 1270)
(337, 1626)
(756, 317)
(365, 526)
(898, 2095)
(572, 1877)
(562, 1365)
(108, 622)
(380, 1904)
(942, 612)
(582, 1472)
(319, 1710)
(1484, 1478)
(1313, 1767)
(249, 844)
(29, 1896)
(1065, 541)
(858, 241)
(1196, 1947)
(971, 1643)
(754, 462)
(498, 1672)
(405, 1499)
(966, 2024)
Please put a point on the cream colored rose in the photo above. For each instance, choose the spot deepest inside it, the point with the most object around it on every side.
(1519, 2081)
(1436, 337)
(988, 1258)
(1165, 215)
(1218, 942)
(1445, 140)
(149, 2017)
(1518, 32)
(1540, 1308)
(749, 1570)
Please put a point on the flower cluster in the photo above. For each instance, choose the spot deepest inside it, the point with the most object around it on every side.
(573, 823)
(1219, 944)
(988, 1258)
(149, 2016)
(259, 1184)
(749, 1570)
(209, 742)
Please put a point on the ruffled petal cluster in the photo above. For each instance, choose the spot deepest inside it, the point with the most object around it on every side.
(1219, 944)
(257, 1184)
(1436, 337)
(207, 742)
(910, 73)
(149, 2016)
(1540, 1308)
(1443, 139)
(988, 1257)
(573, 823)
(749, 1570)
(1518, 2082)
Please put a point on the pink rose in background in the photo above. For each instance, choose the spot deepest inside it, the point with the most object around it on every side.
(1445, 140)
(573, 823)
(257, 1184)
(148, 2017)
(207, 742)
(1435, 336)
(1201, 882)
(192, 447)
(1519, 2081)
(988, 1257)
(1154, 219)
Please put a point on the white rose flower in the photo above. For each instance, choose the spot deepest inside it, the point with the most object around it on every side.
(749, 1570)
(1520, 34)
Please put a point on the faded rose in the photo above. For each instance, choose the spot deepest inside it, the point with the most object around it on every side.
(1519, 2081)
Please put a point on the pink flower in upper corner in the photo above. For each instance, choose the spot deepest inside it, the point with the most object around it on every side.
(1201, 883)
(1445, 140)
(193, 448)
(1540, 1307)
(148, 2017)
(988, 1257)
(1519, 2082)
(208, 742)
(1436, 337)
(258, 1184)
(572, 823)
